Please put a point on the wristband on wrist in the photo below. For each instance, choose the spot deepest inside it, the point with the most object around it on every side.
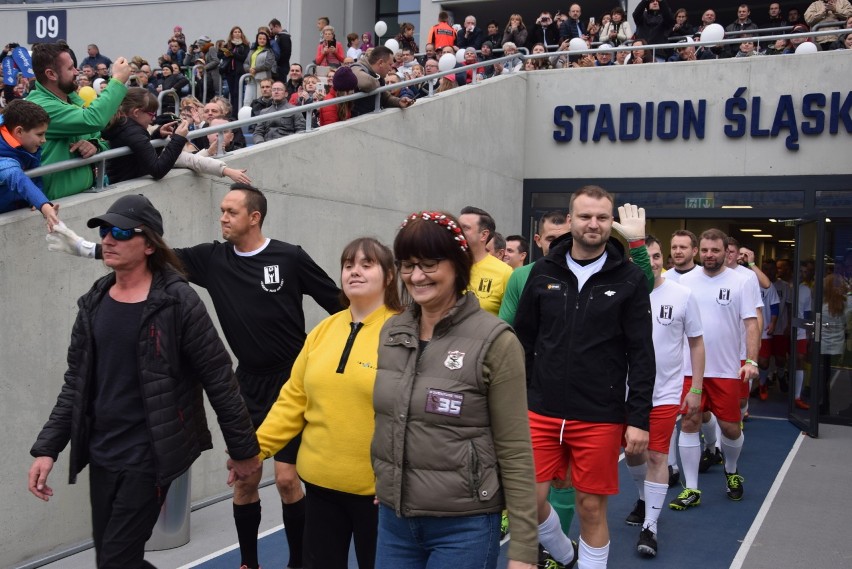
(751, 264)
(752, 362)
(636, 243)
(695, 390)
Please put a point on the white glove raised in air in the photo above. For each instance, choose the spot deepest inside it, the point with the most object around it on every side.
(632, 224)
(64, 240)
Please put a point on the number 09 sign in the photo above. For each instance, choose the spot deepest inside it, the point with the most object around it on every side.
(46, 26)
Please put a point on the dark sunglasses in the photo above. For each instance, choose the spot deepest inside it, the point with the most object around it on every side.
(119, 234)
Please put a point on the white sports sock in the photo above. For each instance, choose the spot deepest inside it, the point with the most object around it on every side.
(731, 450)
(655, 497)
(689, 445)
(638, 473)
(673, 450)
(592, 557)
(553, 540)
(708, 429)
(800, 380)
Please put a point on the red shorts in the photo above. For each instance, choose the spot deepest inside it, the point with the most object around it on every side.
(592, 450)
(719, 395)
(765, 348)
(781, 346)
(802, 346)
(663, 419)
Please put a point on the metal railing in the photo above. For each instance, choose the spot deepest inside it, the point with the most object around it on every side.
(668, 47)
(102, 157)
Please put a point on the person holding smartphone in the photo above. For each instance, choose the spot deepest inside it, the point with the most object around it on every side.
(329, 51)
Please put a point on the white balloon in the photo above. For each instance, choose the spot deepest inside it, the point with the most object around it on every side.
(392, 45)
(381, 28)
(713, 32)
(447, 62)
(806, 47)
(577, 44)
(460, 56)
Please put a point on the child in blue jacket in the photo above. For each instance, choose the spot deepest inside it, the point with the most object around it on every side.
(22, 128)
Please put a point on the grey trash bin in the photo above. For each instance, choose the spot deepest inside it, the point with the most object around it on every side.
(172, 528)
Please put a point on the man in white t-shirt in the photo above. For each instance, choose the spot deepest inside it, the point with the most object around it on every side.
(675, 315)
(683, 249)
(725, 304)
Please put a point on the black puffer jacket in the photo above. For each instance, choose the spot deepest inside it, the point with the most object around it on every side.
(178, 354)
(144, 161)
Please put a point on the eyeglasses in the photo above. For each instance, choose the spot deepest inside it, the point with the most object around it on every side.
(119, 234)
(425, 266)
(152, 115)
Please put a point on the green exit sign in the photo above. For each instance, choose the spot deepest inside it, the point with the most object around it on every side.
(699, 203)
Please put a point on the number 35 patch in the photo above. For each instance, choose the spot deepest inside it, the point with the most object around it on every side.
(444, 402)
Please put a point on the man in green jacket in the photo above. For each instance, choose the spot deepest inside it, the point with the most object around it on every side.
(74, 130)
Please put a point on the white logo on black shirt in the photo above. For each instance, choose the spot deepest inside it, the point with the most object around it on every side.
(271, 279)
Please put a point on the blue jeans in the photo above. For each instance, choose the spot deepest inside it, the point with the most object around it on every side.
(466, 542)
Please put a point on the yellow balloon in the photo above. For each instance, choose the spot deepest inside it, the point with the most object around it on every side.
(88, 95)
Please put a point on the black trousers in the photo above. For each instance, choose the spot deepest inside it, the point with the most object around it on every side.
(332, 520)
(125, 508)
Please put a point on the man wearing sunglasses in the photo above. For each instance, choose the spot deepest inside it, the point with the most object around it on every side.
(265, 330)
(142, 348)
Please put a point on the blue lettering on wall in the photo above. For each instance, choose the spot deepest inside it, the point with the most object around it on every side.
(808, 102)
(629, 115)
(603, 125)
(668, 120)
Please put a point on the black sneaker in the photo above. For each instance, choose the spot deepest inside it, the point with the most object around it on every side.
(637, 516)
(674, 477)
(689, 498)
(709, 458)
(735, 486)
(647, 544)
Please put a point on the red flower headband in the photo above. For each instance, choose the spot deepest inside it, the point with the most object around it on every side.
(444, 221)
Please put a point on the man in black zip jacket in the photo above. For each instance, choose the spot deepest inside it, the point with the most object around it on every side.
(584, 320)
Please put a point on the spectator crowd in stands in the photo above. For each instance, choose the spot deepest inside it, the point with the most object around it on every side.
(213, 79)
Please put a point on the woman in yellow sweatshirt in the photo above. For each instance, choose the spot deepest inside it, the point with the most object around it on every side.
(329, 398)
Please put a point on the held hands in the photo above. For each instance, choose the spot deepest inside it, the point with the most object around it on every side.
(242, 469)
(50, 213)
(64, 240)
(632, 225)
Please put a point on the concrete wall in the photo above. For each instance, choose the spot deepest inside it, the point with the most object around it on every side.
(324, 188)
